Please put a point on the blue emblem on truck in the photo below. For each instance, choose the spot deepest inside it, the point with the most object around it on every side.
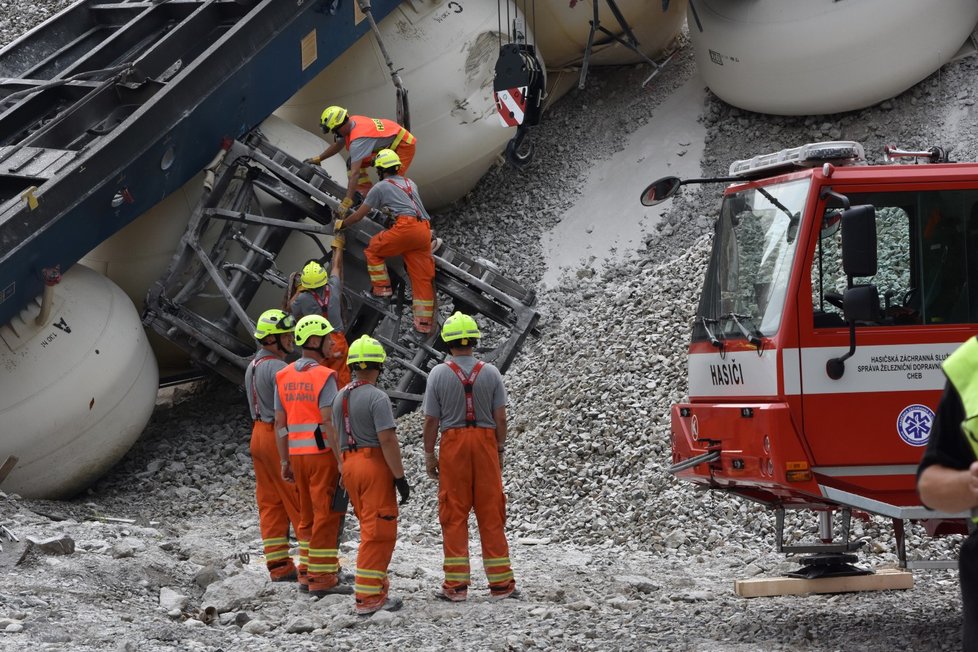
(914, 424)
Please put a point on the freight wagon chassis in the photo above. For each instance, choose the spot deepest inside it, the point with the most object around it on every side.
(260, 198)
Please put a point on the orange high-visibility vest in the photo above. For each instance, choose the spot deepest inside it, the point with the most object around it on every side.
(365, 127)
(299, 392)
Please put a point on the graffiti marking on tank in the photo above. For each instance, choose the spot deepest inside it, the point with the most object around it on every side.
(453, 8)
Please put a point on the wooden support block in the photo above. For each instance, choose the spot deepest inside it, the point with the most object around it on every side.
(882, 580)
(7, 466)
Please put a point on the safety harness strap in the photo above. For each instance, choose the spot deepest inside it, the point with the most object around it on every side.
(254, 385)
(351, 442)
(324, 302)
(467, 383)
(407, 190)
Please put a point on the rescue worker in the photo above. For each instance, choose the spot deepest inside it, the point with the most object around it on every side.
(409, 237)
(320, 293)
(278, 500)
(363, 138)
(372, 470)
(947, 479)
(466, 400)
(306, 441)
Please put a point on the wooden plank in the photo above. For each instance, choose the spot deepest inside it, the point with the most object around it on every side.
(882, 580)
(7, 466)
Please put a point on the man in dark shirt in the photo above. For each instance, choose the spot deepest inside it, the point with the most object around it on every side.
(947, 479)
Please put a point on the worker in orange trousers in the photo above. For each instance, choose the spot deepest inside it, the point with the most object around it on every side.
(465, 399)
(409, 237)
(372, 470)
(306, 441)
(278, 500)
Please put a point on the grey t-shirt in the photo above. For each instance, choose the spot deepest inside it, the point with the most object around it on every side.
(393, 192)
(326, 395)
(363, 147)
(259, 385)
(444, 396)
(370, 413)
(309, 302)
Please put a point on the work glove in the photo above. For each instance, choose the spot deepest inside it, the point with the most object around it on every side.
(431, 465)
(344, 207)
(403, 488)
(339, 240)
(313, 160)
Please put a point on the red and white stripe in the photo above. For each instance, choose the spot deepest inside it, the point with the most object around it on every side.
(511, 105)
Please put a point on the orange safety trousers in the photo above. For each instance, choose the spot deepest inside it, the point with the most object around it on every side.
(410, 238)
(278, 501)
(319, 526)
(337, 359)
(370, 484)
(469, 477)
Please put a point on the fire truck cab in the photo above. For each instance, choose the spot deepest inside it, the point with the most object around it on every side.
(834, 291)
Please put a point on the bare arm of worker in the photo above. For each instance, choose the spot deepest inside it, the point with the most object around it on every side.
(337, 267)
(282, 444)
(357, 215)
(331, 150)
(430, 431)
(392, 451)
(351, 185)
(499, 416)
(949, 490)
(332, 438)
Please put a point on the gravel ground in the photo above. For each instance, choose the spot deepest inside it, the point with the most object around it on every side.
(611, 551)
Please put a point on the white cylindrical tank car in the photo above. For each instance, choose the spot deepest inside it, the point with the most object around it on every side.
(803, 57)
(77, 390)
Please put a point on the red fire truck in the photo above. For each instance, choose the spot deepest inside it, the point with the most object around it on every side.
(834, 291)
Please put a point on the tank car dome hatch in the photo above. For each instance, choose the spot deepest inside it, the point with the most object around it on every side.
(78, 390)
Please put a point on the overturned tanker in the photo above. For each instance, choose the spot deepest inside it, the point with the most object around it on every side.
(260, 201)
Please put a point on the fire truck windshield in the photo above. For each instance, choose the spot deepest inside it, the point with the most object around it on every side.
(753, 249)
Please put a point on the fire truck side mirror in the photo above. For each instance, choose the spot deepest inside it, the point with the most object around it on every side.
(861, 303)
(659, 191)
(859, 241)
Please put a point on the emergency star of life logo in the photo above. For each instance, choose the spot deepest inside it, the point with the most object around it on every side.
(915, 423)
